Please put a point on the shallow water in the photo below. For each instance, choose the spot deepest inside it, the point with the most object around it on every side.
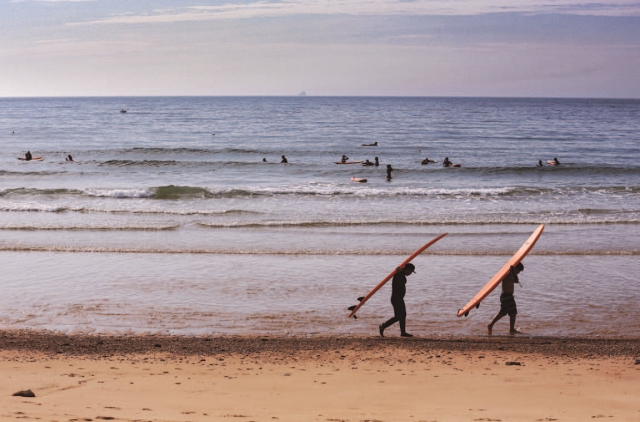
(160, 226)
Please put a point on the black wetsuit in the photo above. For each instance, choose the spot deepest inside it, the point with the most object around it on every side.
(398, 290)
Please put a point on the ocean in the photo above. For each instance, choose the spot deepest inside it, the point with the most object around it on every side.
(169, 221)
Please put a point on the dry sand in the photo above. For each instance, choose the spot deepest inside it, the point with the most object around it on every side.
(145, 378)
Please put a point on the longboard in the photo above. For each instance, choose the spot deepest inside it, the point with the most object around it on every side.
(500, 275)
(373, 291)
(33, 159)
(358, 180)
(349, 162)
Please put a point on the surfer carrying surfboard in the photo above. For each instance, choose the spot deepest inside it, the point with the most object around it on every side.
(398, 290)
(507, 301)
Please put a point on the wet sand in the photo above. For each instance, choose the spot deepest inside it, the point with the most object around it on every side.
(140, 378)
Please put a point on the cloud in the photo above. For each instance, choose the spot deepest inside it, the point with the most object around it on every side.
(263, 9)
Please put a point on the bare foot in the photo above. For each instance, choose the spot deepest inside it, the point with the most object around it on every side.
(515, 331)
(489, 329)
(406, 335)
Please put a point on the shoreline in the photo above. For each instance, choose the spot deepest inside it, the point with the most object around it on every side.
(52, 343)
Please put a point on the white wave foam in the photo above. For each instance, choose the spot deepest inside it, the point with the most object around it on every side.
(119, 193)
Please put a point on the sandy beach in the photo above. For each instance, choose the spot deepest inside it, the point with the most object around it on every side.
(140, 378)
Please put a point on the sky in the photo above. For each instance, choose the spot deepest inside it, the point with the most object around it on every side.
(505, 48)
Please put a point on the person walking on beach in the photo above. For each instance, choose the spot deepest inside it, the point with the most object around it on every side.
(389, 170)
(398, 290)
(284, 160)
(507, 301)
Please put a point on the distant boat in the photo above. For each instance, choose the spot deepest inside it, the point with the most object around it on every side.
(122, 110)
(302, 94)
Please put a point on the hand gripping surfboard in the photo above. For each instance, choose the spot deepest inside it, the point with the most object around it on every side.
(373, 291)
(500, 275)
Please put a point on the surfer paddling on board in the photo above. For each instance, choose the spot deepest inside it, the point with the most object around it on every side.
(507, 301)
(398, 290)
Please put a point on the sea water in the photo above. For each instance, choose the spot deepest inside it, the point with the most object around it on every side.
(169, 220)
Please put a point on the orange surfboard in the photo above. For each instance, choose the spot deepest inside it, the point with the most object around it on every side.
(500, 275)
(387, 278)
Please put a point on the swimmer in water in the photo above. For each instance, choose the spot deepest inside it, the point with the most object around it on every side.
(427, 161)
(446, 162)
(284, 160)
(264, 160)
(344, 158)
(69, 158)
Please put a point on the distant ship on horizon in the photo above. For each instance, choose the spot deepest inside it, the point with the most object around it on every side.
(302, 94)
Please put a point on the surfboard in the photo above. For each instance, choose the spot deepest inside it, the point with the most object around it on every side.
(456, 165)
(373, 291)
(500, 275)
(551, 163)
(33, 159)
(349, 162)
(358, 179)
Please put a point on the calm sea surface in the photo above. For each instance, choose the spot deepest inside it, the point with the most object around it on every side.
(161, 226)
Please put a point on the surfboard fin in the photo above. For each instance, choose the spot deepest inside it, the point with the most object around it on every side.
(355, 317)
(478, 305)
(351, 308)
(466, 314)
(360, 298)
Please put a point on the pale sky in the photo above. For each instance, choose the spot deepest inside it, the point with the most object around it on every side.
(552, 48)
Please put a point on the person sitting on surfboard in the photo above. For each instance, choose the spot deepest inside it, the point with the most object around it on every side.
(507, 301)
(284, 160)
(344, 158)
(28, 156)
(398, 290)
(446, 162)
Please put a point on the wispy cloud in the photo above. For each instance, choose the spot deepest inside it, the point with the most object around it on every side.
(261, 9)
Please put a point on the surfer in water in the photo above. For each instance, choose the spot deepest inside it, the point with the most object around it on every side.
(556, 162)
(507, 301)
(389, 170)
(344, 158)
(398, 290)
(28, 156)
(284, 160)
(377, 163)
(367, 163)
(264, 160)
(539, 164)
(427, 161)
(69, 158)
(375, 144)
(446, 162)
